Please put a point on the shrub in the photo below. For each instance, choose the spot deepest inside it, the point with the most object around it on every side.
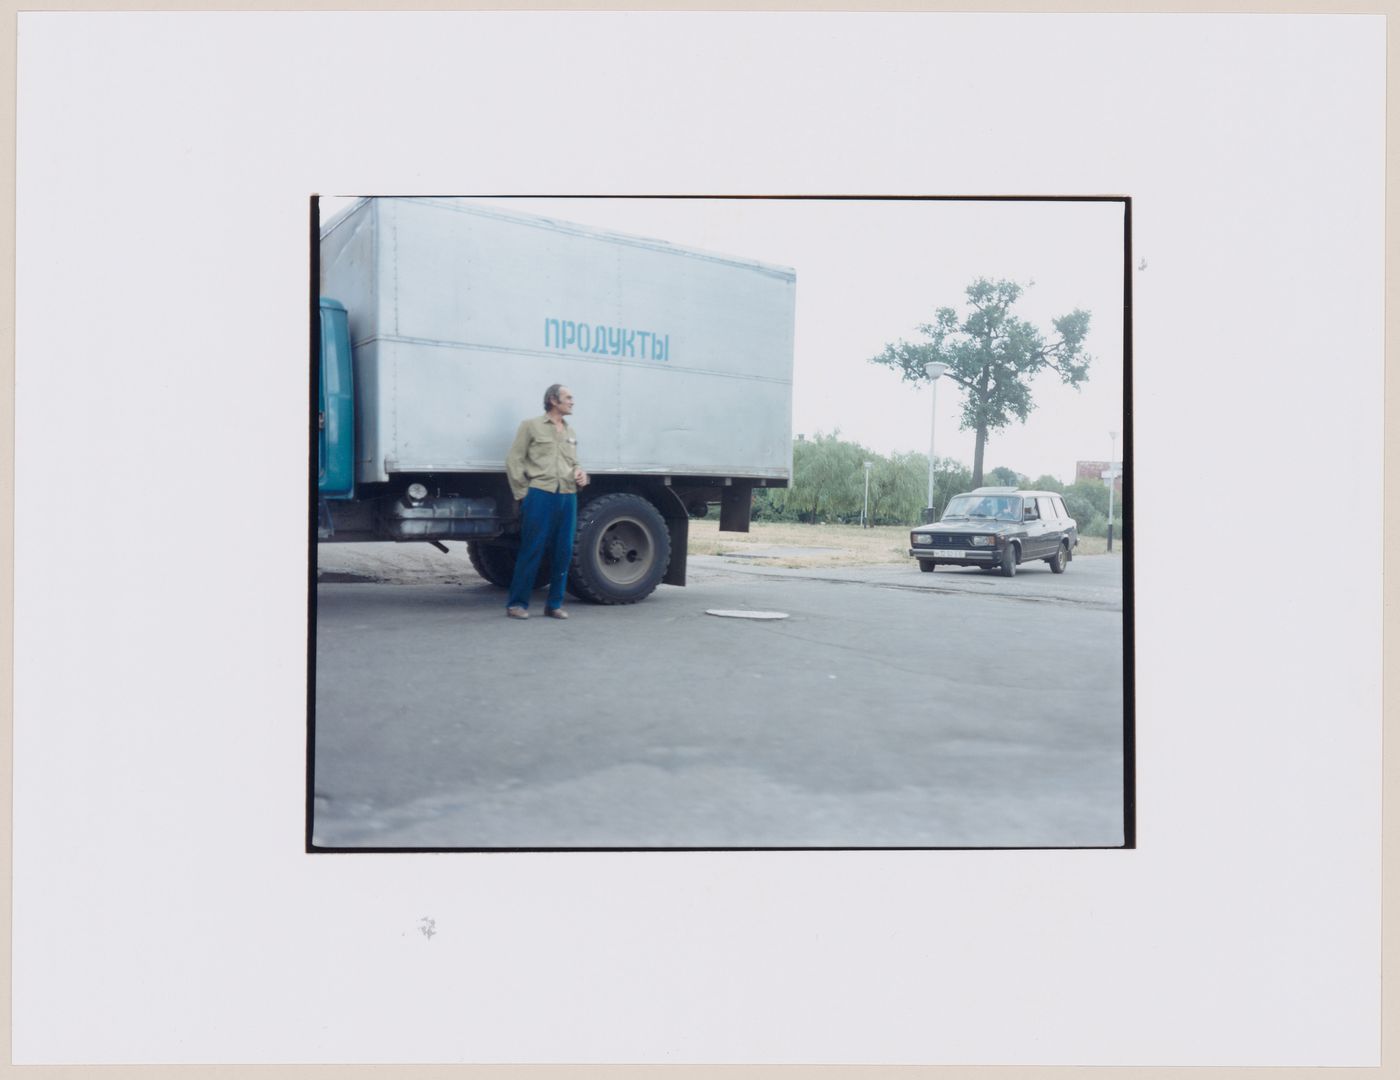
(1001, 476)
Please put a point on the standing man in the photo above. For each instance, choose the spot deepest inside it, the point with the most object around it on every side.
(543, 470)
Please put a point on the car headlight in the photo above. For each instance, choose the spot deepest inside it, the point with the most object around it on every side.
(922, 539)
(983, 541)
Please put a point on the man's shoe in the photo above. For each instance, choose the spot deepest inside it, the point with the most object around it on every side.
(517, 613)
(556, 613)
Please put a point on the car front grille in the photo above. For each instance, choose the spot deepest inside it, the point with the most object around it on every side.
(952, 541)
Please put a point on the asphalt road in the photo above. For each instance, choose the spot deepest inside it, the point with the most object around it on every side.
(889, 709)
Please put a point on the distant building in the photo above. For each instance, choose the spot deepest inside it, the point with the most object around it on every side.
(1094, 470)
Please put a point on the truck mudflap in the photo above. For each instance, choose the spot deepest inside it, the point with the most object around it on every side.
(736, 504)
(442, 518)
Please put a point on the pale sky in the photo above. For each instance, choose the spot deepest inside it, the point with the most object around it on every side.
(869, 272)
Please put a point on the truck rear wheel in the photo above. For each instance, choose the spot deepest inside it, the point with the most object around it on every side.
(496, 563)
(621, 551)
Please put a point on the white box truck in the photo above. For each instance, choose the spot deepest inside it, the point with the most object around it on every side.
(442, 321)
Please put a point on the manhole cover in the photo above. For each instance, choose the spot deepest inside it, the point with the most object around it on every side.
(746, 614)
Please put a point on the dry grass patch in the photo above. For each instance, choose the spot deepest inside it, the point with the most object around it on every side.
(1098, 545)
(844, 545)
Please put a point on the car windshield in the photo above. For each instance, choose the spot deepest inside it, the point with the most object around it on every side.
(998, 507)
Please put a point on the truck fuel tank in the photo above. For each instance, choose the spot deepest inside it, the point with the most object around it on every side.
(448, 517)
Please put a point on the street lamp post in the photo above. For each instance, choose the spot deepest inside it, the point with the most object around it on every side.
(865, 511)
(933, 371)
(1112, 480)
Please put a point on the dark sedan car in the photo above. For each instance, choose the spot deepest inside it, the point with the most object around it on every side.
(997, 528)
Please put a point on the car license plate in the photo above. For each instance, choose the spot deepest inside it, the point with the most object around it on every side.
(950, 554)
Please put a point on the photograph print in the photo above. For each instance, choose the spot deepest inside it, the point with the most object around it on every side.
(720, 523)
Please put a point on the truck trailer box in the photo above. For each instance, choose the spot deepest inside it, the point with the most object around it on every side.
(462, 314)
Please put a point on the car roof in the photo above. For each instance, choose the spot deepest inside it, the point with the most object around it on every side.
(1007, 491)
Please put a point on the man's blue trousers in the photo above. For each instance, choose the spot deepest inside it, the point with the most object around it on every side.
(547, 520)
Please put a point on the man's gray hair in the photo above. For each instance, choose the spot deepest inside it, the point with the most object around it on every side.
(552, 395)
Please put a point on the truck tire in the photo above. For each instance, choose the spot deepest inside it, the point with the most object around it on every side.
(621, 551)
(496, 563)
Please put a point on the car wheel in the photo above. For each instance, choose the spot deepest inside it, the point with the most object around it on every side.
(1061, 559)
(926, 565)
(1008, 561)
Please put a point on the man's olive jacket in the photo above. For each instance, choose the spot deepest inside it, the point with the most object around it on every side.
(541, 457)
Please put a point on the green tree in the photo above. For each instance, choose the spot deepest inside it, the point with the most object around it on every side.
(1087, 503)
(897, 488)
(828, 484)
(827, 478)
(1004, 477)
(949, 478)
(992, 355)
(1047, 483)
(1090, 496)
(770, 504)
